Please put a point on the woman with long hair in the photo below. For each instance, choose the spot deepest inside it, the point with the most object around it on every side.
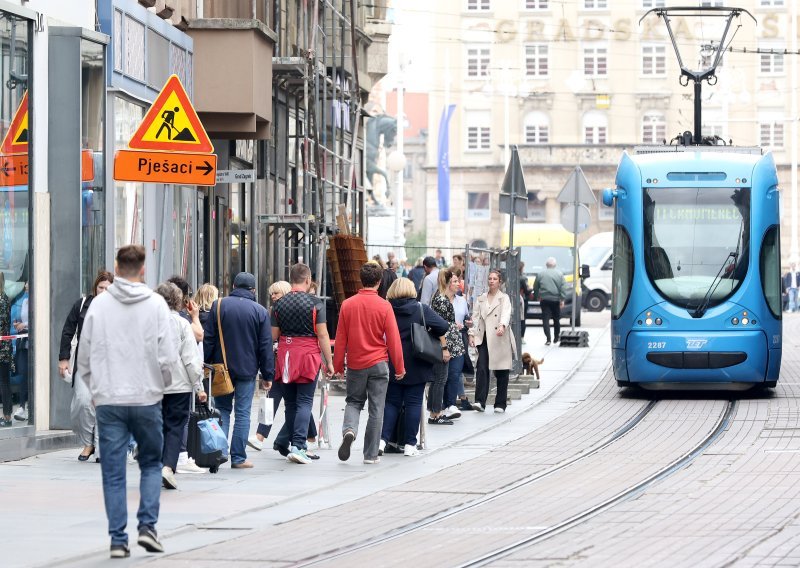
(84, 422)
(442, 399)
(6, 354)
(491, 316)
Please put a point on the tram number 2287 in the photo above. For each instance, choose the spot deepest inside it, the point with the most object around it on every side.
(656, 344)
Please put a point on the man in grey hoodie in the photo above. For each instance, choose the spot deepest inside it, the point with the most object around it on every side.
(128, 347)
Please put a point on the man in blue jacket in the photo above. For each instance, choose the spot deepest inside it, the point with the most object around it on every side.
(247, 336)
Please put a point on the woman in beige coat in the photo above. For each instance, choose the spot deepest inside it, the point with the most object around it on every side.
(490, 332)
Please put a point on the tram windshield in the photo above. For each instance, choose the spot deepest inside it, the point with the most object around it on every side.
(696, 243)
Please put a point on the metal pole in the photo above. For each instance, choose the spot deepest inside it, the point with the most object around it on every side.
(794, 250)
(575, 205)
(698, 110)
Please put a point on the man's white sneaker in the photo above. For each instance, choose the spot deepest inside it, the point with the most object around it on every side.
(410, 450)
(499, 410)
(255, 443)
(22, 414)
(452, 412)
(168, 478)
(381, 447)
(189, 467)
(372, 462)
(477, 406)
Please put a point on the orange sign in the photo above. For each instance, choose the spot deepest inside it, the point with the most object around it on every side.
(171, 124)
(14, 170)
(165, 167)
(87, 165)
(16, 138)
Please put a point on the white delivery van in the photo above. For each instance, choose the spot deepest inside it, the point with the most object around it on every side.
(597, 253)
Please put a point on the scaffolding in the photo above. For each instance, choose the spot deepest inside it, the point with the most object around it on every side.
(314, 162)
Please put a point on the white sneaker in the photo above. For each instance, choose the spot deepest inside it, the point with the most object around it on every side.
(381, 447)
(168, 478)
(255, 443)
(183, 458)
(477, 406)
(189, 467)
(499, 410)
(372, 462)
(22, 414)
(452, 412)
(410, 450)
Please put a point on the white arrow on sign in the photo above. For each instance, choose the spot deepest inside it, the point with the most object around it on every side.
(577, 189)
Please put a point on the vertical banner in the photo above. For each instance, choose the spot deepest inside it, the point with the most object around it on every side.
(444, 163)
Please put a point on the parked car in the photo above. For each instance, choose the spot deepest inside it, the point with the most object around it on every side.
(597, 252)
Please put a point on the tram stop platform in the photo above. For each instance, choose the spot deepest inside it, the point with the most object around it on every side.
(54, 503)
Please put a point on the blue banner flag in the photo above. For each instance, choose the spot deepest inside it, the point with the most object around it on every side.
(444, 163)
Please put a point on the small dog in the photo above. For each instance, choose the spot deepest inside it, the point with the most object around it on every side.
(530, 366)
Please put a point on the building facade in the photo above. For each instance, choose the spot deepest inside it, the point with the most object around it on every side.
(576, 83)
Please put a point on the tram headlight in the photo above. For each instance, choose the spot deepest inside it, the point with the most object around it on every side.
(658, 321)
(745, 321)
(735, 321)
(649, 321)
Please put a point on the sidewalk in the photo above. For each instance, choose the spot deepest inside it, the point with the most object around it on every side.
(54, 504)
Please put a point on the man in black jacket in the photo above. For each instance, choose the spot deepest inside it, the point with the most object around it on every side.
(247, 337)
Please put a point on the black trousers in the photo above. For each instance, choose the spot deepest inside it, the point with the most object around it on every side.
(5, 388)
(482, 379)
(551, 309)
(175, 413)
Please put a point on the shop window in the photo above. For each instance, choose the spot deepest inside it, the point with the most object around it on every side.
(128, 200)
(478, 205)
(183, 215)
(93, 195)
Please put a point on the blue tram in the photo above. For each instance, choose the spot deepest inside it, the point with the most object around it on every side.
(696, 296)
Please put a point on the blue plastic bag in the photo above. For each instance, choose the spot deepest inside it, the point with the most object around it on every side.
(212, 438)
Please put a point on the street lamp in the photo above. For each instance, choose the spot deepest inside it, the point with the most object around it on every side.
(396, 162)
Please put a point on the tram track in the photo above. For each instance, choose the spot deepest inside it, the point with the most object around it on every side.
(488, 498)
(521, 492)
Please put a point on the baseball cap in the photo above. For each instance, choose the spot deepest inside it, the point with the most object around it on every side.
(244, 280)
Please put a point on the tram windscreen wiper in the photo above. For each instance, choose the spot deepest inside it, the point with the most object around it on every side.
(700, 310)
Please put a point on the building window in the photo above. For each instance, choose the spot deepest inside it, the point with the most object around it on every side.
(479, 5)
(771, 3)
(478, 205)
(117, 40)
(654, 60)
(536, 4)
(595, 4)
(129, 196)
(771, 134)
(712, 3)
(536, 60)
(537, 128)
(771, 63)
(478, 61)
(134, 49)
(595, 61)
(536, 207)
(595, 128)
(478, 137)
(654, 128)
(648, 4)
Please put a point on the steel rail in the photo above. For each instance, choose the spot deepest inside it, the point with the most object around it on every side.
(624, 495)
(438, 517)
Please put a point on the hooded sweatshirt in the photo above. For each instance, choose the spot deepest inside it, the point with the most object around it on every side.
(128, 346)
(187, 371)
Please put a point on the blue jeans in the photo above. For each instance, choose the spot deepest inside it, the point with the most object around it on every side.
(399, 395)
(284, 436)
(298, 399)
(792, 300)
(116, 424)
(240, 400)
(454, 382)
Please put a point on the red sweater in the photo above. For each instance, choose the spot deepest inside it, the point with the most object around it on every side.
(367, 333)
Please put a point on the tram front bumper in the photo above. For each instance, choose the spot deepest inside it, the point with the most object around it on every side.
(704, 357)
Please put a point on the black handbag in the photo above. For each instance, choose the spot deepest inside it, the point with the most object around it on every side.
(423, 345)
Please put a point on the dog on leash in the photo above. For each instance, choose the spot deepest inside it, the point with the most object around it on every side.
(530, 366)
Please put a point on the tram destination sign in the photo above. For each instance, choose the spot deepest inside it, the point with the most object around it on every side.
(165, 167)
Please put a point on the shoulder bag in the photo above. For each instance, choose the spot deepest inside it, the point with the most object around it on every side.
(73, 349)
(423, 345)
(221, 383)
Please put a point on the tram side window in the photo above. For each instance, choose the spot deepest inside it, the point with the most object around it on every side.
(622, 275)
(770, 267)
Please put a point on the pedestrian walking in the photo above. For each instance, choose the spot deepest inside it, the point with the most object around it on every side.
(464, 322)
(431, 280)
(246, 333)
(406, 394)
(187, 379)
(126, 357)
(550, 289)
(82, 412)
(300, 327)
(189, 310)
(389, 275)
(367, 335)
(6, 355)
(417, 274)
(21, 357)
(491, 316)
(791, 283)
(444, 399)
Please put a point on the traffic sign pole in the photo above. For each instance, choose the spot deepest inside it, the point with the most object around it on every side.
(575, 258)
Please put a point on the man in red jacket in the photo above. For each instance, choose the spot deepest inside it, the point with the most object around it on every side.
(367, 334)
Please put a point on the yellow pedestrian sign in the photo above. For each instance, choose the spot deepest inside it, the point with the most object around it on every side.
(16, 138)
(171, 124)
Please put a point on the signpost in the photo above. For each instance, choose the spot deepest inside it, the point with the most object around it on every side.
(170, 145)
(235, 176)
(514, 201)
(576, 218)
